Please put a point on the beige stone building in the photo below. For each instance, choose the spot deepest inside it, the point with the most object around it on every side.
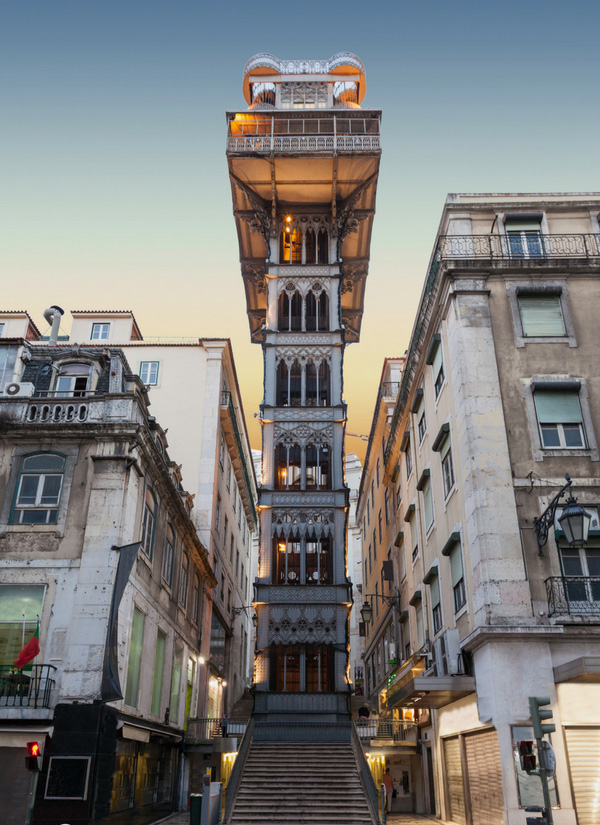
(499, 399)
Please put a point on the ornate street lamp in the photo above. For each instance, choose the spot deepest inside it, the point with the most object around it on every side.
(237, 610)
(574, 521)
(366, 611)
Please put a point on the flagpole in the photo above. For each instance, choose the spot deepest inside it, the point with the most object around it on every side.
(23, 633)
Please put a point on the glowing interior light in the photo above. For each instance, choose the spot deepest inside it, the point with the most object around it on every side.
(281, 548)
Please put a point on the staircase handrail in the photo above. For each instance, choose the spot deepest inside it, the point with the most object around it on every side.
(366, 778)
(382, 803)
(237, 770)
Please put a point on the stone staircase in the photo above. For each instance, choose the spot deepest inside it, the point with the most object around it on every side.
(300, 783)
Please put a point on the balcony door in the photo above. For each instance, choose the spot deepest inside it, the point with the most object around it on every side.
(581, 568)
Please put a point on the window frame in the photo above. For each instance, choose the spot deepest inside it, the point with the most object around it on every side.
(143, 364)
(562, 384)
(555, 286)
(36, 507)
(168, 556)
(148, 555)
(96, 324)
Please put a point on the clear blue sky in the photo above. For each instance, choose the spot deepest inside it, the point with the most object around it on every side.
(113, 181)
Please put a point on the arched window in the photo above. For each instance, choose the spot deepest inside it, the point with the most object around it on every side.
(317, 310)
(290, 247)
(310, 245)
(288, 467)
(72, 381)
(319, 569)
(295, 385)
(282, 390)
(317, 384)
(196, 600)
(323, 247)
(324, 389)
(38, 489)
(286, 560)
(168, 553)
(148, 521)
(290, 312)
(318, 474)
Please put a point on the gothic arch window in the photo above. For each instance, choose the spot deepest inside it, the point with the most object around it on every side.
(324, 385)
(323, 247)
(290, 246)
(319, 669)
(318, 467)
(284, 668)
(288, 467)
(310, 246)
(317, 309)
(286, 560)
(290, 311)
(319, 561)
(282, 390)
(317, 384)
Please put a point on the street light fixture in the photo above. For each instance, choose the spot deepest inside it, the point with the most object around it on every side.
(366, 611)
(574, 521)
(243, 609)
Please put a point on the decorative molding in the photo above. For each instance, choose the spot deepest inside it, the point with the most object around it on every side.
(303, 355)
(256, 274)
(267, 60)
(300, 521)
(322, 499)
(315, 414)
(303, 285)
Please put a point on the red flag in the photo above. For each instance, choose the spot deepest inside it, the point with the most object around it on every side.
(30, 651)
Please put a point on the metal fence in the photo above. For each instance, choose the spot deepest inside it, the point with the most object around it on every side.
(27, 688)
(518, 246)
(388, 729)
(212, 728)
(573, 595)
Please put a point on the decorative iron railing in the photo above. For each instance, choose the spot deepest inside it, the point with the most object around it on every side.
(366, 777)
(573, 595)
(212, 728)
(388, 729)
(518, 246)
(267, 144)
(233, 783)
(389, 389)
(226, 401)
(27, 688)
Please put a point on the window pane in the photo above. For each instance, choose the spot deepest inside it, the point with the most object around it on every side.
(36, 517)
(175, 685)
(573, 435)
(456, 568)
(541, 315)
(435, 592)
(428, 504)
(51, 489)
(159, 666)
(550, 437)
(135, 658)
(28, 490)
(43, 462)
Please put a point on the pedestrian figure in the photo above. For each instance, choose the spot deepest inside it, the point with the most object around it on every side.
(389, 789)
(224, 722)
(363, 712)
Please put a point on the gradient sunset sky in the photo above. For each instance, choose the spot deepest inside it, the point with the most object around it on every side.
(113, 182)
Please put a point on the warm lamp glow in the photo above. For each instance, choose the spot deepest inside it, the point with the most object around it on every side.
(289, 219)
(224, 683)
(201, 660)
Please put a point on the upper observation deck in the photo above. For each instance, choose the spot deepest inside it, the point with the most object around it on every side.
(304, 157)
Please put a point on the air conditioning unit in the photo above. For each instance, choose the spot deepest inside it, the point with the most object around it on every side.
(16, 389)
(451, 660)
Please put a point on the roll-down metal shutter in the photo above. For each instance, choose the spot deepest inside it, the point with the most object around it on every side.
(454, 780)
(583, 748)
(484, 769)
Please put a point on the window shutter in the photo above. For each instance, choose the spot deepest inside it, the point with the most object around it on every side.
(523, 226)
(428, 504)
(541, 315)
(435, 591)
(557, 407)
(456, 568)
(437, 361)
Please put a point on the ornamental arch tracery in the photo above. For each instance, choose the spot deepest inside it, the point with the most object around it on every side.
(303, 305)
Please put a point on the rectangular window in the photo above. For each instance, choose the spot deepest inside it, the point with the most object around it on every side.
(437, 368)
(368, 510)
(38, 489)
(420, 627)
(457, 575)
(1, 330)
(175, 686)
(447, 469)
(428, 504)
(386, 505)
(380, 526)
(20, 609)
(436, 607)
(231, 548)
(184, 580)
(196, 600)
(221, 451)
(149, 372)
(159, 666)
(8, 359)
(560, 420)
(237, 564)
(225, 532)
(374, 545)
(541, 315)
(364, 529)
(377, 598)
(408, 459)
(422, 426)
(524, 237)
(228, 474)
(168, 553)
(134, 664)
(218, 513)
(100, 332)
(378, 474)
(373, 495)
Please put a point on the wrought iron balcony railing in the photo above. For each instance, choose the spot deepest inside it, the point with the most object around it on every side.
(517, 246)
(389, 389)
(27, 688)
(312, 133)
(303, 143)
(573, 595)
